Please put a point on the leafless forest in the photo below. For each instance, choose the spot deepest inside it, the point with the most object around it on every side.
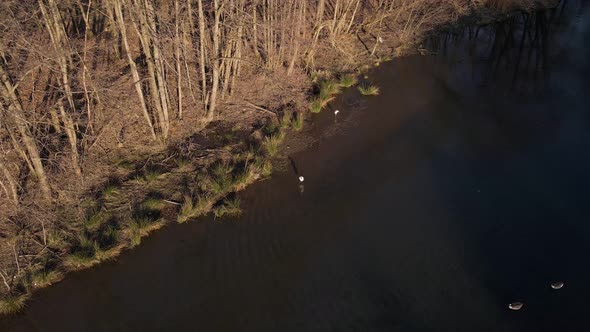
(105, 105)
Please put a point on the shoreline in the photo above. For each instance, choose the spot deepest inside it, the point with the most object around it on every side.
(144, 195)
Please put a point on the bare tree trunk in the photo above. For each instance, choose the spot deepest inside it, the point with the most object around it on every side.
(17, 117)
(177, 51)
(133, 67)
(12, 189)
(202, 64)
(296, 37)
(85, 73)
(215, 58)
(317, 30)
(54, 24)
(71, 133)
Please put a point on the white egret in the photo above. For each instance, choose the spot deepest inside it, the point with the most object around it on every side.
(301, 179)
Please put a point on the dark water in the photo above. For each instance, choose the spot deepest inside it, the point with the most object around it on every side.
(463, 187)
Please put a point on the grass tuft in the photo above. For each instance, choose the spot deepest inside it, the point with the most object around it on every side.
(45, 277)
(265, 166)
(368, 90)
(151, 174)
(193, 208)
(230, 207)
(243, 179)
(329, 89)
(12, 304)
(316, 105)
(286, 120)
(56, 239)
(110, 190)
(84, 253)
(95, 219)
(186, 210)
(152, 204)
(298, 121)
(221, 179)
(142, 225)
(271, 144)
(348, 80)
(182, 163)
(109, 236)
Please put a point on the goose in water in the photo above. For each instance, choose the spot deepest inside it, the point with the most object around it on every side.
(301, 179)
(557, 285)
(515, 305)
